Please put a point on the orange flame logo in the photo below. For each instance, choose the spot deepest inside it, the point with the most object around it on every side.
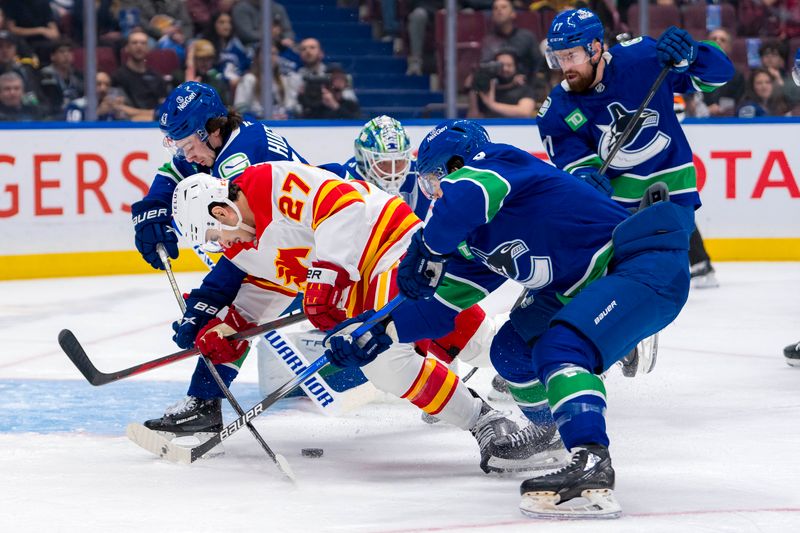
(288, 265)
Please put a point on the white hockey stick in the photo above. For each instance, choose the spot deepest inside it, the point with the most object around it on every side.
(288, 356)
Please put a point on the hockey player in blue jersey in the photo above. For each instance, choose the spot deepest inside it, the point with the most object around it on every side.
(584, 116)
(383, 158)
(599, 279)
(203, 136)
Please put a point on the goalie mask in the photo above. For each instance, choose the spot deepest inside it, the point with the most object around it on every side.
(383, 153)
(191, 211)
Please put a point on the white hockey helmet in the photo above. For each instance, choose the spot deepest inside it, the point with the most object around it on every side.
(191, 203)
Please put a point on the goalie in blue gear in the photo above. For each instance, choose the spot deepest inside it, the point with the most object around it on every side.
(599, 280)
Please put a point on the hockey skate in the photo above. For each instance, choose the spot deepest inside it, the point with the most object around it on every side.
(703, 276)
(509, 454)
(641, 359)
(499, 391)
(190, 420)
(531, 448)
(792, 354)
(588, 477)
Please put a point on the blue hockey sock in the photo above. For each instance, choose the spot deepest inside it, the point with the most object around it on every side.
(578, 402)
(531, 398)
(203, 385)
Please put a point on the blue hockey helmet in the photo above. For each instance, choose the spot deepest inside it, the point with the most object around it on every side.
(453, 138)
(569, 29)
(187, 109)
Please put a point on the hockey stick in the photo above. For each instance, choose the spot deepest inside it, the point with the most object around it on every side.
(70, 345)
(155, 443)
(632, 123)
(285, 354)
(278, 459)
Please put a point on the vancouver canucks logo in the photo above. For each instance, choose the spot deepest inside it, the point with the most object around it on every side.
(645, 141)
(509, 260)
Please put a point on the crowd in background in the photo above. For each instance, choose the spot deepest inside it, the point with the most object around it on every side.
(147, 47)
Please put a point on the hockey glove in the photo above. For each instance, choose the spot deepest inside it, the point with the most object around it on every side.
(592, 177)
(152, 224)
(201, 306)
(325, 284)
(421, 270)
(677, 48)
(212, 340)
(344, 351)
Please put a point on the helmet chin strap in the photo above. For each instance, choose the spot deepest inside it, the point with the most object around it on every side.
(239, 225)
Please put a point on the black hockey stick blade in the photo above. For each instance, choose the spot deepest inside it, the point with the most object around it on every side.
(69, 343)
(155, 443)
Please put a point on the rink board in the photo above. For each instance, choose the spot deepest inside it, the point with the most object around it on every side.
(66, 190)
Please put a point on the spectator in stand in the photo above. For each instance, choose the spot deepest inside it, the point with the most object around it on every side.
(234, 58)
(505, 35)
(769, 18)
(421, 14)
(172, 36)
(9, 62)
(311, 54)
(204, 12)
(285, 90)
(499, 92)
(391, 26)
(247, 22)
(763, 97)
(724, 101)
(60, 82)
(289, 59)
(144, 88)
(773, 58)
(143, 12)
(111, 102)
(200, 61)
(331, 97)
(108, 31)
(12, 107)
(33, 21)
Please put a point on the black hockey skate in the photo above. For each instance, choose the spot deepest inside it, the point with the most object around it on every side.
(189, 416)
(642, 359)
(703, 275)
(491, 425)
(531, 448)
(792, 354)
(499, 391)
(588, 476)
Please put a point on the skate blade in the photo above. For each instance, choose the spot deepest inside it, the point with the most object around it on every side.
(551, 460)
(642, 359)
(499, 396)
(597, 504)
(429, 419)
(196, 439)
(706, 281)
(793, 362)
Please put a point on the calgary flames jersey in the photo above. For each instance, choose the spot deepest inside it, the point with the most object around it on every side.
(305, 214)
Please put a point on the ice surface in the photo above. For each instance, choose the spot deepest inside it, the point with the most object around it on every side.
(708, 442)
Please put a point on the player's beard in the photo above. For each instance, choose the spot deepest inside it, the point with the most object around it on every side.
(581, 82)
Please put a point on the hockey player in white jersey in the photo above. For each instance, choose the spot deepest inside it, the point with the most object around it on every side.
(283, 224)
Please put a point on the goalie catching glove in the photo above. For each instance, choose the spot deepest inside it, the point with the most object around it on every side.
(213, 341)
(344, 351)
(325, 284)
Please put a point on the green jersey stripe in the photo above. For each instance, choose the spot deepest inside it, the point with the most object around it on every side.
(495, 187)
(459, 293)
(589, 161)
(632, 187)
(597, 268)
(169, 171)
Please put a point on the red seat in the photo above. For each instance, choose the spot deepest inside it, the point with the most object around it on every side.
(695, 19)
(470, 29)
(661, 18)
(106, 59)
(530, 20)
(163, 61)
(739, 53)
